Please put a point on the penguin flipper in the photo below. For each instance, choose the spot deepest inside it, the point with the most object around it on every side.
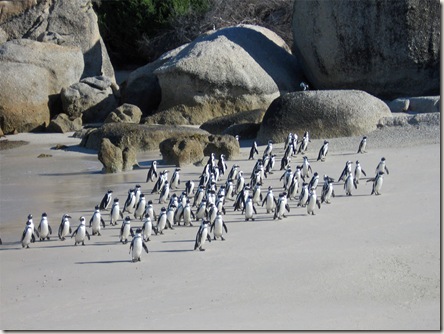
(70, 229)
(254, 209)
(32, 238)
(50, 229)
(87, 234)
(225, 227)
(36, 232)
(102, 221)
(145, 247)
(90, 221)
(386, 169)
(287, 207)
(132, 232)
(363, 172)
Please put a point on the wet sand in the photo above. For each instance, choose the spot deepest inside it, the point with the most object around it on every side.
(361, 263)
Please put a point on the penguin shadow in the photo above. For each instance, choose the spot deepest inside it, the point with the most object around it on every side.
(93, 172)
(173, 250)
(169, 241)
(356, 195)
(102, 262)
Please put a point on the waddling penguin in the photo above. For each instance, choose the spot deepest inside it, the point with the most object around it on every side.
(253, 150)
(165, 193)
(362, 145)
(219, 227)
(306, 168)
(281, 207)
(147, 228)
(327, 190)
(346, 171)
(303, 196)
(170, 216)
(31, 224)
(294, 188)
(268, 149)
(382, 167)
(44, 227)
(27, 236)
(115, 212)
(187, 214)
(350, 182)
(106, 200)
(189, 188)
(269, 165)
(257, 195)
(140, 207)
(126, 230)
(152, 172)
(95, 221)
(175, 179)
(130, 201)
(377, 183)
(233, 172)
(136, 246)
(65, 227)
(222, 165)
(287, 177)
(162, 221)
(312, 202)
(358, 172)
(149, 210)
(198, 196)
(323, 151)
(249, 209)
(80, 233)
(314, 181)
(137, 193)
(202, 235)
(304, 143)
(269, 201)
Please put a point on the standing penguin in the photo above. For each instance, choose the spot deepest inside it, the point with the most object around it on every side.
(362, 145)
(253, 150)
(31, 224)
(106, 200)
(269, 200)
(115, 212)
(249, 209)
(304, 143)
(382, 167)
(149, 210)
(137, 193)
(327, 190)
(350, 182)
(303, 196)
(80, 233)
(269, 165)
(189, 188)
(377, 183)
(323, 151)
(257, 195)
(358, 171)
(222, 165)
(147, 228)
(162, 221)
(140, 207)
(136, 246)
(281, 207)
(346, 171)
(268, 149)
(65, 227)
(187, 214)
(175, 179)
(306, 168)
(219, 226)
(44, 227)
(95, 221)
(27, 236)
(314, 181)
(287, 176)
(312, 201)
(126, 230)
(130, 201)
(165, 193)
(202, 235)
(152, 172)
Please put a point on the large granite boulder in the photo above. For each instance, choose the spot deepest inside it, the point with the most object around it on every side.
(62, 123)
(325, 114)
(91, 98)
(185, 150)
(126, 113)
(386, 48)
(31, 77)
(65, 22)
(219, 124)
(419, 104)
(229, 70)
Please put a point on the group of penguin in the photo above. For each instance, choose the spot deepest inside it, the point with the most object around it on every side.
(209, 199)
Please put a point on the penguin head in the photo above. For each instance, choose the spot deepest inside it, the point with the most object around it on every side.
(142, 196)
(44, 214)
(137, 186)
(150, 202)
(110, 191)
(29, 216)
(116, 200)
(82, 220)
(127, 218)
(139, 231)
(96, 207)
(154, 162)
(382, 159)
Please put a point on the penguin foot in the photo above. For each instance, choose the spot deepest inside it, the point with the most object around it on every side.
(222, 238)
(83, 243)
(200, 248)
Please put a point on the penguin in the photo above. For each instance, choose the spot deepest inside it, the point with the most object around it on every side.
(130, 201)
(31, 224)
(304, 143)
(158, 186)
(222, 165)
(358, 172)
(170, 216)
(162, 221)
(287, 177)
(249, 209)
(212, 213)
(106, 200)
(281, 207)
(269, 200)
(96, 220)
(362, 145)
(211, 161)
(44, 228)
(382, 167)
(350, 182)
(257, 195)
(80, 233)
(219, 227)
(303, 196)
(126, 230)
(298, 174)
(327, 190)
(149, 210)
(268, 149)
(239, 203)
(293, 190)
(147, 228)
(306, 168)
(285, 161)
(346, 171)
(314, 181)
(198, 196)
(189, 188)
(137, 193)
(27, 236)
(152, 172)
(288, 141)
(312, 202)
(115, 212)
(270, 165)
(175, 179)
(323, 151)
(165, 193)
(253, 150)
(240, 182)
(202, 235)
(65, 227)
(303, 86)
(233, 172)
(229, 189)
(140, 207)
(220, 202)
(378, 180)
(136, 246)
(187, 214)
(201, 211)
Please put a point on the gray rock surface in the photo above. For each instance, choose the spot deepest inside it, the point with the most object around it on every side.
(110, 156)
(325, 114)
(74, 20)
(62, 123)
(386, 48)
(126, 113)
(91, 98)
(230, 70)
(31, 77)
(219, 124)
(420, 104)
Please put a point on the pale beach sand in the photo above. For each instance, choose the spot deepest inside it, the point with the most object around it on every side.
(361, 263)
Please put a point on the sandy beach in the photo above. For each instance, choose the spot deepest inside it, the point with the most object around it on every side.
(361, 263)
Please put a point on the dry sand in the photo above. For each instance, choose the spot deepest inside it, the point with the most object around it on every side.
(361, 263)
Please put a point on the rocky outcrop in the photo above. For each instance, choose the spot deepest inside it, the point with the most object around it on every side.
(91, 98)
(410, 120)
(229, 70)
(62, 123)
(386, 48)
(185, 150)
(31, 77)
(73, 21)
(243, 131)
(114, 159)
(421, 104)
(325, 114)
(219, 124)
(126, 113)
